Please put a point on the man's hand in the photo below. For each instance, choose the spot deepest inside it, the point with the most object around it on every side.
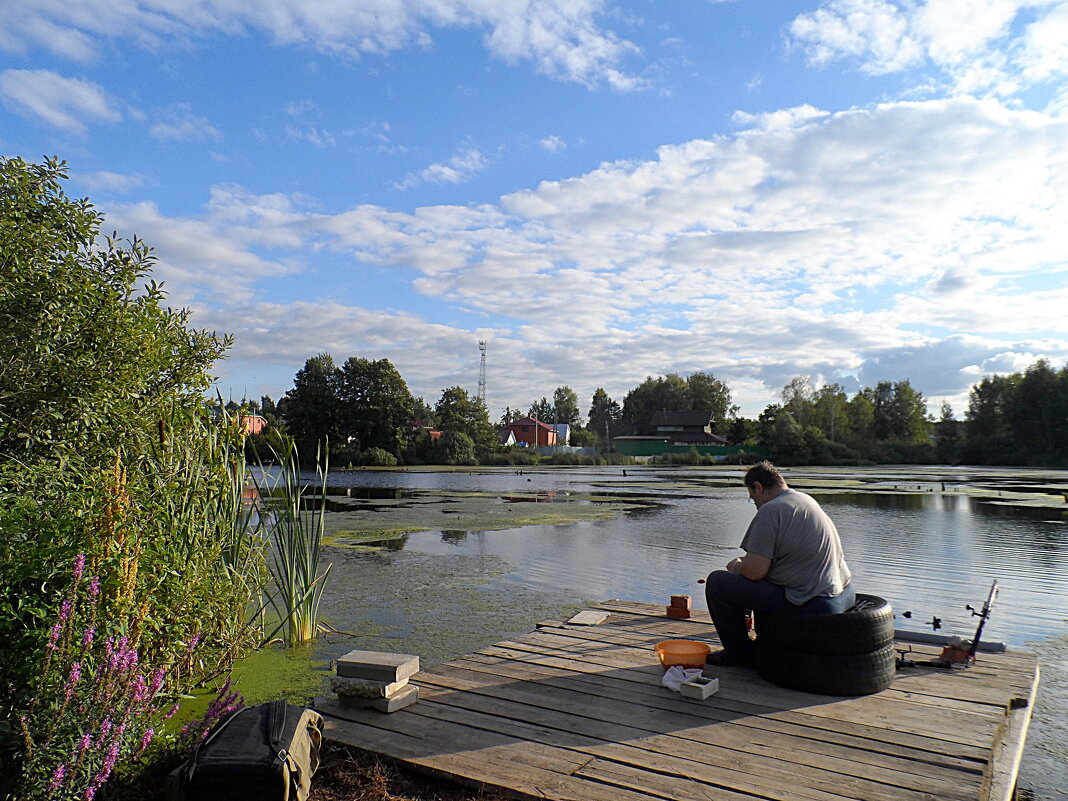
(753, 566)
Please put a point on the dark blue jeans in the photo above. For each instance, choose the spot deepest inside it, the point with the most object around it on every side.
(730, 596)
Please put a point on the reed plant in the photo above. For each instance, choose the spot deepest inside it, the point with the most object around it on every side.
(296, 534)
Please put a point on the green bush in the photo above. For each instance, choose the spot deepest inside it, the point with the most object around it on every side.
(107, 452)
(377, 457)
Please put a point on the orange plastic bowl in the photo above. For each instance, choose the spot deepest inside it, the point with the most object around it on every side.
(687, 653)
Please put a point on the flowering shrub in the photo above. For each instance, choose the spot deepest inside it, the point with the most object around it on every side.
(93, 702)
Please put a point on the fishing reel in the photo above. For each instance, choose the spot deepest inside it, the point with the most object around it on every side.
(935, 622)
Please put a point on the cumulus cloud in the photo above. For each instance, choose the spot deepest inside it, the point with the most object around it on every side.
(461, 167)
(111, 181)
(561, 40)
(906, 240)
(553, 143)
(979, 46)
(66, 103)
(179, 123)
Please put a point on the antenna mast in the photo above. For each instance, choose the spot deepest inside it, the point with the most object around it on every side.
(482, 373)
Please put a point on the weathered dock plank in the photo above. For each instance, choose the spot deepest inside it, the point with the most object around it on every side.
(574, 711)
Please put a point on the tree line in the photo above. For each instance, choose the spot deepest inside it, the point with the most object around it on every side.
(366, 411)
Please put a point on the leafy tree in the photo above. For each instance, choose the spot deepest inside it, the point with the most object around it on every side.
(458, 448)
(375, 407)
(542, 410)
(509, 416)
(459, 413)
(947, 436)
(667, 393)
(798, 397)
(312, 409)
(565, 407)
(829, 412)
(604, 416)
(742, 431)
(788, 444)
(861, 414)
(708, 392)
(766, 422)
(583, 438)
(423, 413)
(89, 355)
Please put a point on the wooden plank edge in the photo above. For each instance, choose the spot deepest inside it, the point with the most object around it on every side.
(999, 782)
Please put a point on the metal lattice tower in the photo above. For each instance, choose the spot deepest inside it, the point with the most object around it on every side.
(482, 373)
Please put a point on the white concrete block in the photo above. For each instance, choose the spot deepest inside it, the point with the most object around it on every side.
(377, 666)
(406, 696)
(363, 688)
(699, 687)
(588, 617)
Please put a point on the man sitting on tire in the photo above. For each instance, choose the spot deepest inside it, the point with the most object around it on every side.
(793, 564)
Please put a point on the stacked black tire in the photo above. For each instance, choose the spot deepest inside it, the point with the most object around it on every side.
(851, 653)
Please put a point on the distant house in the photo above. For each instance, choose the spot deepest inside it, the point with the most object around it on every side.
(676, 432)
(530, 432)
(506, 437)
(563, 433)
(253, 423)
(686, 428)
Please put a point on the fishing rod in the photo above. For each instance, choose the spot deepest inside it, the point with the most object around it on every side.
(983, 616)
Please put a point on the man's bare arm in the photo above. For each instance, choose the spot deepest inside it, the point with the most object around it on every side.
(752, 566)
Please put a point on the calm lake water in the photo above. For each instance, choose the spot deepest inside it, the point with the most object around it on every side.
(443, 592)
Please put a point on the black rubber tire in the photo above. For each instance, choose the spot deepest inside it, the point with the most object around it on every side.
(867, 626)
(828, 674)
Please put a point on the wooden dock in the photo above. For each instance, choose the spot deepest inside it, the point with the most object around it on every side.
(577, 712)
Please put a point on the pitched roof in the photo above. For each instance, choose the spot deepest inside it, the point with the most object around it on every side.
(526, 421)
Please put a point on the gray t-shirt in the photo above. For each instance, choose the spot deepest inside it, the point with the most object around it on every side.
(802, 543)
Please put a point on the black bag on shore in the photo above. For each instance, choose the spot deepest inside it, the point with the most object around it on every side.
(267, 752)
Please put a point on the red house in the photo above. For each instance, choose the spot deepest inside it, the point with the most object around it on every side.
(532, 432)
(253, 423)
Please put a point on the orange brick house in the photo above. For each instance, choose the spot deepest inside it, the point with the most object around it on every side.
(531, 432)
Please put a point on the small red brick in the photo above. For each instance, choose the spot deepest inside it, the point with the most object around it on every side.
(678, 612)
(680, 601)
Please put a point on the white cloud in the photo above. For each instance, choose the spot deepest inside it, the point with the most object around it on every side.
(179, 123)
(313, 135)
(979, 46)
(904, 240)
(111, 181)
(66, 103)
(461, 167)
(553, 143)
(561, 40)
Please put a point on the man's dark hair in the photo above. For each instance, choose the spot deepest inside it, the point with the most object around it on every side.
(765, 473)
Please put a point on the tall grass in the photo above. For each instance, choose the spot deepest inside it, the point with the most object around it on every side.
(296, 533)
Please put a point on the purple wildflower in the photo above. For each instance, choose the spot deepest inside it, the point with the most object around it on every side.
(87, 638)
(73, 678)
(156, 682)
(58, 776)
(171, 712)
(85, 742)
(147, 738)
(90, 792)
(94, 587)
(105, 730)
(64, 611)
(53, 638)
(79, 566)
(137, 694)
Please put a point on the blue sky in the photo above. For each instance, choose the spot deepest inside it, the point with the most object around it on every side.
(852, 190)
